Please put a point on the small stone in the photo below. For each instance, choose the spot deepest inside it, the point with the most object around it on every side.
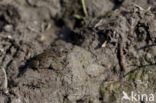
(148, 57)
(8, 28)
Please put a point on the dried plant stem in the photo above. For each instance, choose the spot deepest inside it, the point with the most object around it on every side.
(121, 57)
(5, 85)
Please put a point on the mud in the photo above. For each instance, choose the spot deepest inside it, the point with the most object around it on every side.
(50, 56)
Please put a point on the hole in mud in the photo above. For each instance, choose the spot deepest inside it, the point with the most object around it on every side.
(142, 32)
(8, 15)
(78, 23)
(59, 22)
(71, 36)
(118, 2)
(2, 20)
(77, 39)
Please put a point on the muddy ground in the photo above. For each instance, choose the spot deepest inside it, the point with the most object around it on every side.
(50, 56)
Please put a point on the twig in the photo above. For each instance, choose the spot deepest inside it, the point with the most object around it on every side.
(146, 46)
(142, 9)
(120, 56)
(139, 7)
(139, 68)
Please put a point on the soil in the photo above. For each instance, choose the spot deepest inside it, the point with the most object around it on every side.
(50, 56)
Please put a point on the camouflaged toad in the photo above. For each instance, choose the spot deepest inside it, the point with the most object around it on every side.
(49, 59)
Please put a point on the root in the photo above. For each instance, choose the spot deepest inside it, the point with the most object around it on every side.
(121, 57)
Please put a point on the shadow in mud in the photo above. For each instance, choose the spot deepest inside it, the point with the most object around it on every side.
(22, 70)
(67, 34)
(71, 36)
(117, 3)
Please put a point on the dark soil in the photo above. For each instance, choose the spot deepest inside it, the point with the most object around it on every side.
(52, 57)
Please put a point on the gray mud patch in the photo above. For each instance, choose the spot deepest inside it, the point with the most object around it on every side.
(52, 57)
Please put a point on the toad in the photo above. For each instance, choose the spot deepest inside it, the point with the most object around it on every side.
(49, 59)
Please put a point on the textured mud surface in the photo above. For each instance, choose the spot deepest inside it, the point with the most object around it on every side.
(52, 57)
